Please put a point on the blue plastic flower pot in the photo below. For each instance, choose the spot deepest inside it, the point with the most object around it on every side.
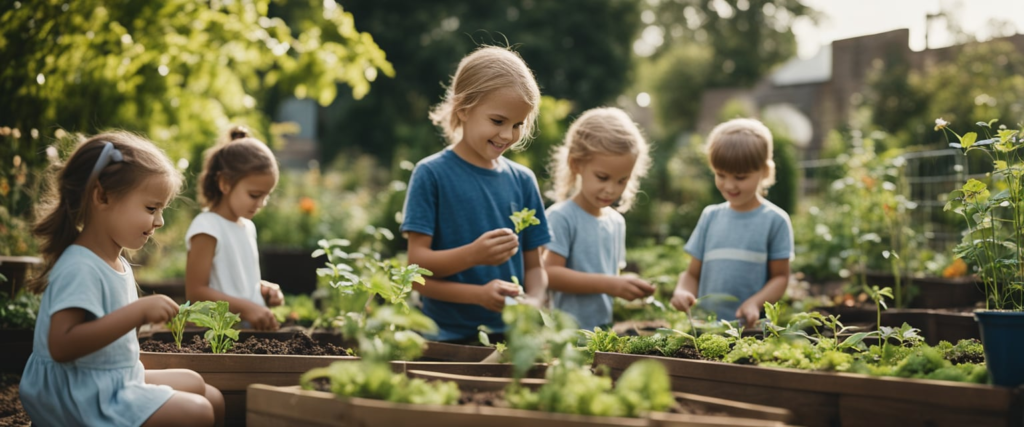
(1002, 334)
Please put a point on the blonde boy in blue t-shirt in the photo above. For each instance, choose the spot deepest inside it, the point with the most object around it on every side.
(741, 247)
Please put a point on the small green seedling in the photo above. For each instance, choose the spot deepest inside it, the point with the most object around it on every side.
(185, 311)
(878, 295)
(522, 220)
(221, 336)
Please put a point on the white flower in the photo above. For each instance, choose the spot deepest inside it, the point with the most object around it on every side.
(940, 124)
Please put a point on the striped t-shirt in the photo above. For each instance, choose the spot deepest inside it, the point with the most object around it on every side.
(734, 249)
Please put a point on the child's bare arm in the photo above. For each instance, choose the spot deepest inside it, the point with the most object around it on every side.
(536, 281)
(564, 279)
(197, 285)
(72, 335)
(685, 294)
(491, 248)
(773, 290)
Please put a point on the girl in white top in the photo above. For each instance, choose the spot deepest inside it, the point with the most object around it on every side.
(223, 261)
(85, 368)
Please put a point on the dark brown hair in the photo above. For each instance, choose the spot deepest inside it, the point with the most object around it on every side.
(239, 156)
(65, 205)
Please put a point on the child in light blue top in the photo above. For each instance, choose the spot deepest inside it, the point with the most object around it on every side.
(84, 369)
(457, 209)
(606, 155)
(741, 247)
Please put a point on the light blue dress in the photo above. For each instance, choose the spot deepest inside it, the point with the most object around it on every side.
(106, 387)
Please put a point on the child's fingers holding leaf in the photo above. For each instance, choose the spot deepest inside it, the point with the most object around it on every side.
(496, 246)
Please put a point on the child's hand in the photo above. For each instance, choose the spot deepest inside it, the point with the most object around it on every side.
(271, 293)
(748, 313)
(261, 318)
(492, 295)
(683, 299)
(156, 308)
(495, 247)
(631, 288)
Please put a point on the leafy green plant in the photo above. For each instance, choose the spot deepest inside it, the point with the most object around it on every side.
(523, 219)
(572, 389)
(376, 380)
(185, 313)
(383, 331)
(995, 222)
(19, 312)
(878, 296)
(220, 320)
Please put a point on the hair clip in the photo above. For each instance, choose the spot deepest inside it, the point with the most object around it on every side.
(109, 154)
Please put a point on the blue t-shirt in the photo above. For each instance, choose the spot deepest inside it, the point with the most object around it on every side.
(589, 244)
(734, 249)
(455, 202)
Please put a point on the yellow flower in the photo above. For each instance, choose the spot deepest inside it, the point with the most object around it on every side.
(5, 188)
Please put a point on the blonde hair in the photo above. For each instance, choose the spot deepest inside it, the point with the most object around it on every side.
(742, 146)
(240, 155)
(599, 131)
(65, 205)
(488, 69)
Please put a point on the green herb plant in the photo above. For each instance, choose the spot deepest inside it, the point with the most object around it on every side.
(521, 220)
(878, 296)
(357, 281)
(220, 320)
(995, 222)
(184, 316)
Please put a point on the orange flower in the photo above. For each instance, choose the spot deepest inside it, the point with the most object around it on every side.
(958, 268)
(307, 205)
(868, 181)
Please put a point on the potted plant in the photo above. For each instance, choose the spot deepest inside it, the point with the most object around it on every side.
(994, 214)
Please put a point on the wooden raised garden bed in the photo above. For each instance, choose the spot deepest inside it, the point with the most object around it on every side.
(935, 292)
(836, 399)
(935, 325)
(233, 373)
(292, 406)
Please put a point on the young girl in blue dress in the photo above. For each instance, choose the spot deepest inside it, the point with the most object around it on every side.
(85, 368)
(459, 200)
(599, 165)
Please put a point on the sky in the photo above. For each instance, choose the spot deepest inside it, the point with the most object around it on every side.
(843, 19)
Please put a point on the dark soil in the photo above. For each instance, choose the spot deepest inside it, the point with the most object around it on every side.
(299, 344)
(11, 411)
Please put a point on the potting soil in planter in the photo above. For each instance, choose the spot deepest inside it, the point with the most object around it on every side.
(299, 344)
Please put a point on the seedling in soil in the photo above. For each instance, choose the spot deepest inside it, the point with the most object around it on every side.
(221, 335)
(185, 311)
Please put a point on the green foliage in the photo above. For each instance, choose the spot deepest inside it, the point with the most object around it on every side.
(357, 280)
(603, 340)
(220, 320)
(18, 312)
(537, 336)
(579, 51)
(787, 174)
(643, 387)
(185, 314)
(523, 219)
(712, 346)
(995, 222)
(375, 380)
(178, 71)
(298, 308)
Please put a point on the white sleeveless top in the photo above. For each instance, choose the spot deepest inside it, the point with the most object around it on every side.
(236, 260)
